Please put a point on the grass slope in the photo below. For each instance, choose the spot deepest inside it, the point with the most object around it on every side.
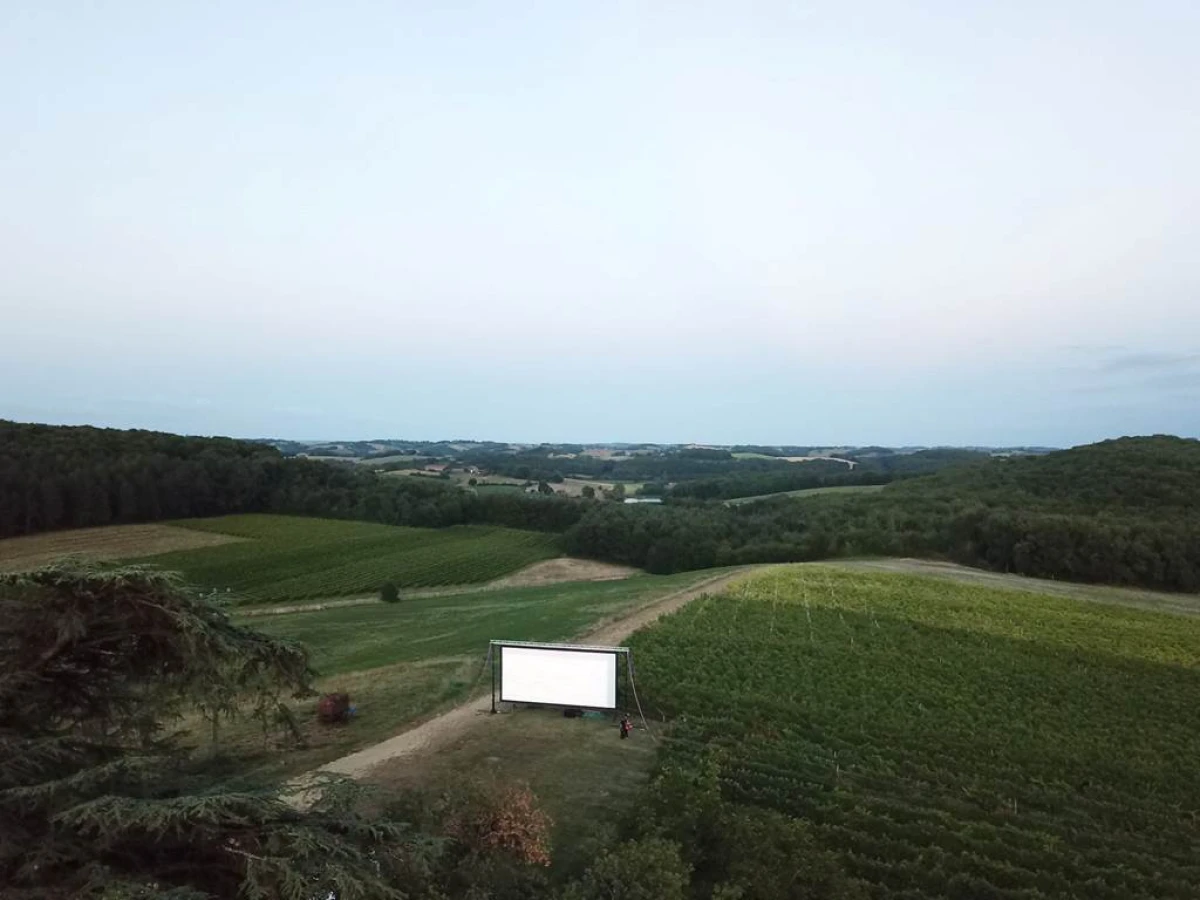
(365, 637)
(810, 492)
(402, 662)
(947, 740)
(293, 558)
(580, 770)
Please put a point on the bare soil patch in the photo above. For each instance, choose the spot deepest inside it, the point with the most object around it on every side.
(106, 543)
(554, 571)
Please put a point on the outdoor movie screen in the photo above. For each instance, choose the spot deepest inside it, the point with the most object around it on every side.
(584, 678)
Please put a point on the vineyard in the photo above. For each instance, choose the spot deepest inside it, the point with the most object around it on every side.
(292, 558)
(945, 740)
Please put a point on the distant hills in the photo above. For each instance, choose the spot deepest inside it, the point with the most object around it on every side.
(366, 450)
(1124, 511)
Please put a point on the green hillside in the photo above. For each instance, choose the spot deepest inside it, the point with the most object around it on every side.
(294, 558)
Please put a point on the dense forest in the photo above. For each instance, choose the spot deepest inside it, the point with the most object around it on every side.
(1124, 512)
(72, 477)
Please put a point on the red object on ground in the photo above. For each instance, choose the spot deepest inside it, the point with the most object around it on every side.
(334, 708)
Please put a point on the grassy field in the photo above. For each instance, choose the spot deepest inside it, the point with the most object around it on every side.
(946, 739)
(402, 662)
(581, 771)
(291, 558)
(365, 637)
(810, 492)
(484, 487)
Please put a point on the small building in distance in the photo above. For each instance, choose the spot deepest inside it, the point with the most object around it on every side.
(643, 499)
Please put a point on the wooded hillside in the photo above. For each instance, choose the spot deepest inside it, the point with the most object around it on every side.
(1124, 512)
(54, 477)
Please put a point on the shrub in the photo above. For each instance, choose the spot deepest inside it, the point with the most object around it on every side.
(648, 869)
(389, 593)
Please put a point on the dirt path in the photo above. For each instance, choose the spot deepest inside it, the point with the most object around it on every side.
(444, 728)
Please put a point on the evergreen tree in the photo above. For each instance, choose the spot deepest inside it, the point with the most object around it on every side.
(99, 799)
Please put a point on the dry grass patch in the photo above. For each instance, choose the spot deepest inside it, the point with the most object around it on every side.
(387, 700)
(556, 571)
(106, 543)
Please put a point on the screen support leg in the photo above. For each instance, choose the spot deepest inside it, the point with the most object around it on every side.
(492, 660)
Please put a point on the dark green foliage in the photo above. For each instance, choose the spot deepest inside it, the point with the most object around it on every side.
(389, 593)
(647, 869)
(719, 848)
(97, 798)
(55, 477)
(1121, 512)
(922, 462)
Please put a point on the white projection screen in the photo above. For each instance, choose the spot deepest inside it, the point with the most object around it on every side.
(582, 677)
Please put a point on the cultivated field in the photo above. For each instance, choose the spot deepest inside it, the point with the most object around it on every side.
(292, 558)
(946, 740)
(108, 543)
(1160, 601)
(810, 492)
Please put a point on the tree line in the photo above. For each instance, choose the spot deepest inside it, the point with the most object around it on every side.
(55, 477)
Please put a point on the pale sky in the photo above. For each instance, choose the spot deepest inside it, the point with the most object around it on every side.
(870, 222)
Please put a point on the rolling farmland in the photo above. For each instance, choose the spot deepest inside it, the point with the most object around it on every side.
(946, 740)
(290, 558)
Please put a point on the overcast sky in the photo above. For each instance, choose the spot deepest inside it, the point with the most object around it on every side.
(870, 222)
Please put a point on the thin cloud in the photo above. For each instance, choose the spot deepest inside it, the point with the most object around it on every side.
(1144, 381)
(1094, 349)
(1149, 361)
